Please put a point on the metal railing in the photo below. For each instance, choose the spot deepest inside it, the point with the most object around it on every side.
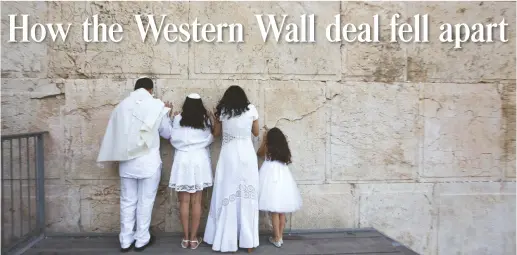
(23, 191)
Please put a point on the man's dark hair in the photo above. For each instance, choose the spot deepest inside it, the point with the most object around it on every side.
(144, 83)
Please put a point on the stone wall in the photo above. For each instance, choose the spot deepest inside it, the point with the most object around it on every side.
(416, 140)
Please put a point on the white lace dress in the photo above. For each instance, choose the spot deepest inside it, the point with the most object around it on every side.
(191, 169)
(234, 210)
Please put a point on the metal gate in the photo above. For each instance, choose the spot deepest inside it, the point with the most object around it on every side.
(23, 191)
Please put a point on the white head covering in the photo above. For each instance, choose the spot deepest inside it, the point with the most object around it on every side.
(194, 96)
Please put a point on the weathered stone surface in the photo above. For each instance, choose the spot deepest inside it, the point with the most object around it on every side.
(508, 111)
(326, 206)
(476, 218)
(462, 130)
(257, 60)
(33, 105)
(88, 106)
(23, 59)
(100, 206)
(63, 208)
(437, 61)
(306, 119)
(373, 130)
(405, 212)
(381, 61)
(211, 91)
(128, 58)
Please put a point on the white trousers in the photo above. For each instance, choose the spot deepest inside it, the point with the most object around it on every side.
(136, 205)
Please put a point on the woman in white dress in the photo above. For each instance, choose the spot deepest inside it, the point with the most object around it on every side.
(234, 212)
(191, 136)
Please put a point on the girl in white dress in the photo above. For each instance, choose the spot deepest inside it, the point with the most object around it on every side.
(278, 191)
(234, 212)
(191, 136)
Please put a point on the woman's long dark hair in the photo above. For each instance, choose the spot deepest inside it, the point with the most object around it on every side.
(194, 114)
(277, 147)
(234, 102)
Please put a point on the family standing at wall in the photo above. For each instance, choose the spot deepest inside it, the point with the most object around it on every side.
(240, 190)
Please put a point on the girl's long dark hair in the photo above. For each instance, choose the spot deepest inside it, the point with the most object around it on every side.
(194, 114)
(234, 102)
(277, 147)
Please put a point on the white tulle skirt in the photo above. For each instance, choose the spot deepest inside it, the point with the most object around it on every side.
(278, 190)
(191, 171)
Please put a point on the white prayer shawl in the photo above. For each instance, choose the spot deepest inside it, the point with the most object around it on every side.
(187, 138)
(132, 127)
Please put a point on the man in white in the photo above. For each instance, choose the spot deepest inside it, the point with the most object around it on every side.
(133, 139)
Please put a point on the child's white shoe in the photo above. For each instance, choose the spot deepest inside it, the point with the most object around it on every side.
(276, 244)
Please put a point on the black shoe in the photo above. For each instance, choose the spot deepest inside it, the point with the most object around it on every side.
(151, 241)
(128, 248)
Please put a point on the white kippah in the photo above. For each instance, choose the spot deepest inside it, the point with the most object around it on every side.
(194, 96)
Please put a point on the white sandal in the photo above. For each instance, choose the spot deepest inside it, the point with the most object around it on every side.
(276, 244)
(198, 241)
(183, 245)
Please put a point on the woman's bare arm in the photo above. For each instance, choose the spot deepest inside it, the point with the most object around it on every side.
(263, 148)
(255, 128)
(216, 124)
(216, 131)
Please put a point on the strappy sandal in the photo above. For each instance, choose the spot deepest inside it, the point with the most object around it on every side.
(183, 245)
(198, 241)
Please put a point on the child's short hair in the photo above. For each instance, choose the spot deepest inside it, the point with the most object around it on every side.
(277, 147)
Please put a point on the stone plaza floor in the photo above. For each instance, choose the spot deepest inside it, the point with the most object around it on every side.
(364, 242)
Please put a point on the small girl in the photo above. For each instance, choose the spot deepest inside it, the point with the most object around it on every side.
(278, 191)
(191, 136)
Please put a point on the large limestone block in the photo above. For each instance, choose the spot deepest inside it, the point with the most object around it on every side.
(404, 212)
(33, 105)
(508, 111)
(381, 61)
(325, 206)
(462, 131)
(299, 109)
(373, 131)
(476, 218)
(89, 104)
(63, 208)
(254, 59)
(437, 61)
(23, 59)
(211, 91)
(100, 206)
(130, 57)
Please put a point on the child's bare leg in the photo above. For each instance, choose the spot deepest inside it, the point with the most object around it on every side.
(281, 219)
(196, 214)
(184, 212)
(276, 226)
